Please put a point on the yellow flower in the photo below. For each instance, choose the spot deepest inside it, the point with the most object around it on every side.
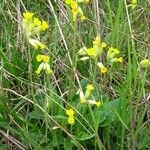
(83, 101)
(103, 69)
(74, 5)
(97, 41)
(39, 58)
(83, 18)
(104, 45)
(98, 104)
(145, 63)
(44, 66)
(112, 52)
(36, 43)
(28, 15)
(133, 4)
(43, 58)
(68, 2)
(70, 112)
(91, 52)
(89, 87)
(120, 60)
(71, 120)
(44, 26)
(36, 22)
(82, 51)
(42, 46)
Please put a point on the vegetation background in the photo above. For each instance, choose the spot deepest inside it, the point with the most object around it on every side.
(32, 107)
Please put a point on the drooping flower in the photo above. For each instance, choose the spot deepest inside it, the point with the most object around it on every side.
(133, 4)
(37, 44)
(44, 26)
(112, 52)
(71, 120)
(43, 58)
(120, 60)
(145, 63)
(70, 112)
(94, 51)
(28, 15)
(103, 69)
(46, 67)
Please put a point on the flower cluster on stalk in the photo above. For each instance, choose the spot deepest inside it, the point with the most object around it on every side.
(96, 50)
(32, 27)
(76, 9)
(70, 114)
(84, 97)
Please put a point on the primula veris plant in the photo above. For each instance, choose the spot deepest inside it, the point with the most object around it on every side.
(74, 74)
(32, 27)
(92, 52)
(70, 113)
(133, 3)
(76, 9)
(85, 97)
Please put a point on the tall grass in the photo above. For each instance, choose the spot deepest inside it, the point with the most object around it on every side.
(33, 107)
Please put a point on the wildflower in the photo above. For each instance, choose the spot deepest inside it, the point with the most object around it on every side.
(104, 44)
(36, 22)
(98, 104)
(68, 2)
(74, 5)
(133, 4)
(120, 60)
(93, 102)
(70, 112)
(71, 120)
(43, 58)
(37, 44)
(91, 52)
(82, 100)
(44, 66)
(145, 63)
(97, 41)
(28, 15)
(112, 52)
(44, 26)
(89, 87)
(83, 18)
(82, 51)
(103, 69)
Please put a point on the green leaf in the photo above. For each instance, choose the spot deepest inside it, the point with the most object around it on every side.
(84, 136)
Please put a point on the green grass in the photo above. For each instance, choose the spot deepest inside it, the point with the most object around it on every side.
(32, 107)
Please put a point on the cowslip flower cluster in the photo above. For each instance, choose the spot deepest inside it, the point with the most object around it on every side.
(76, 9)
(133, 4)
(84, 97)
(145, 63)
(94, 51)
(102, 68)
(112, 55)
(32, 26)
(70, 113)
(44, 59)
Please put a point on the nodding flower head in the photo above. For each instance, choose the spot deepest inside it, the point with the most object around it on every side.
(28, 15)
(103, 69)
